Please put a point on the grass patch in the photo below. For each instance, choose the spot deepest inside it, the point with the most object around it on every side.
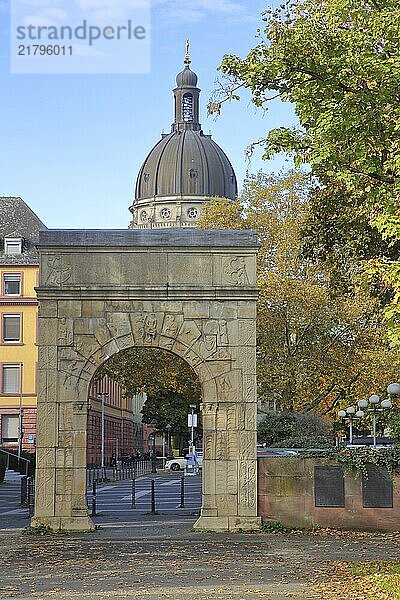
(273, 527)
(372, 580)
(42, 530)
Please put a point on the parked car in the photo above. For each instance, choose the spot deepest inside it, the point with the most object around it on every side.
(176, 464)
(179, 463)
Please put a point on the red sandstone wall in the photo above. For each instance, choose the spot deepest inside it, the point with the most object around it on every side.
(286, 494)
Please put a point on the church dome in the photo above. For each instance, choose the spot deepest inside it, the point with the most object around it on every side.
(185, 169)
(186, 163)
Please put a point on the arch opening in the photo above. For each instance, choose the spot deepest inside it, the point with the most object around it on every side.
(148, 393)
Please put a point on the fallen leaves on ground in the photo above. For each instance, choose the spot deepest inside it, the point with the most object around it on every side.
(373, 580)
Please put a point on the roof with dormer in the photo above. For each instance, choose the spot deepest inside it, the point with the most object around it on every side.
(18, 221)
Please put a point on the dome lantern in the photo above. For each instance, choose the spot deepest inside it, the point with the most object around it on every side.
(187, 98)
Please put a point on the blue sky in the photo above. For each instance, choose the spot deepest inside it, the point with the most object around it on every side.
(72, 145)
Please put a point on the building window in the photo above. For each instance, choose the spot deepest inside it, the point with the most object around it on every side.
(11, 328)
(13, 245)
(143, 216)
(9, 428)
(10, 380)
(12, 284)
(165, 213)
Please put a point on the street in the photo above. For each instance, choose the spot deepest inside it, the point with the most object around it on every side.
(114, 499)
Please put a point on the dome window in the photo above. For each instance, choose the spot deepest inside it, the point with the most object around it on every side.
(193, 174)
(143, 216)
(165, 213)
(192, 212)
(187, 108)
(146, 177)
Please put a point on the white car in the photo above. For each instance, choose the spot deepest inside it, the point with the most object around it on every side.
(176, 464)
(179, 463)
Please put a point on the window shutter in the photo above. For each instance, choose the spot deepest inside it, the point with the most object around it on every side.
(10, 379)
(9, 428)
(11, 328)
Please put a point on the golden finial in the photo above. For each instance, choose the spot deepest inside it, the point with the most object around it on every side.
(187, 57)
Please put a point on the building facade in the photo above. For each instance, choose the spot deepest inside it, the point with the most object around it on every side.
(19, 267)
(123, 428)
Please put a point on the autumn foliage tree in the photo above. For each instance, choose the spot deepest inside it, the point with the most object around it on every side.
(338, 63)
(170, 383)
(315, 351)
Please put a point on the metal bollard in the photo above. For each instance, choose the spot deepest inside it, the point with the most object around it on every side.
(94, 499)
(182, 504)
(153, 498)
(31, 496)
(133, 503)
(24, 491)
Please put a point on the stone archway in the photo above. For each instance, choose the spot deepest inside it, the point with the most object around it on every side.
(191, 292)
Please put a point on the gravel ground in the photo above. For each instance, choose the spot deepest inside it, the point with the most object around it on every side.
(161, 557)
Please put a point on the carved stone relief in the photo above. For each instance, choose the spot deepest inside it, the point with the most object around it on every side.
(44, 490)
(65, 332)
(118, 324)
(47, 424)
(234, 270)
(247, 484)
(58, 272)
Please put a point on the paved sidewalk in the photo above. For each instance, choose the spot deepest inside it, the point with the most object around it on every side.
(11, 513)
(161, 557)
(136, 555)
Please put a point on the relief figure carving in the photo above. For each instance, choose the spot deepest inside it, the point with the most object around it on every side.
(215, 340)
(57, 272)
(170, 326)
(145, 327)
(65, 333)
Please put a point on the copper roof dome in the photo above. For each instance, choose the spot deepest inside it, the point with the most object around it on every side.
(186, 163)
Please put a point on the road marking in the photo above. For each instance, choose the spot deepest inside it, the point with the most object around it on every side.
(14, 512)
(138, 495)
(170, 482)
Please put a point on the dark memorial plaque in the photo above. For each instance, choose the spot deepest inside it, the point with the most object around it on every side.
(328, 486)
(377, 488)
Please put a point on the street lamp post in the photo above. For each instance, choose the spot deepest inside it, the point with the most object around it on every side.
(192, 422)
(351, 414)
(375, 405)
(102, 396)
(153, 458)
(168, 428)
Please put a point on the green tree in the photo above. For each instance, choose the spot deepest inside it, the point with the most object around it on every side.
(315, 351)
(169, 407)
(293, 430)
(338, 62)
(170, 383)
